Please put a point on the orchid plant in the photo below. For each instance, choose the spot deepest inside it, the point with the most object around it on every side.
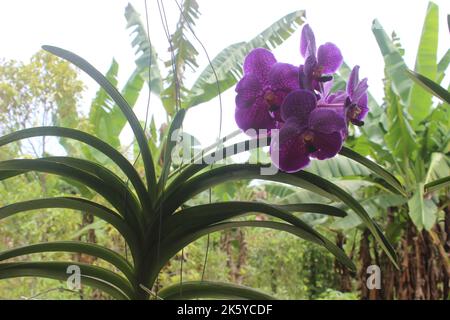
(153, 212)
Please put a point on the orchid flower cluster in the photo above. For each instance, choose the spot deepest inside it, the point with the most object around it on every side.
(312, 121)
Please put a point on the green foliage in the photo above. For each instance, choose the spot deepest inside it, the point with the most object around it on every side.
(394, 65)
(417, 129)
(422, 211)
(43, 91)
(223, 72)
(305, 262)
(426, 64)
(400, 137)
(152, 218)
(226, 68)
(430, 86)
(147, 55)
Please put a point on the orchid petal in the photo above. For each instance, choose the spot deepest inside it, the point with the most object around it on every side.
(298, 104)
(248, 88)
(256, 116)
(325, 120)
(288, 151)
(327, 145)
(353, 81)
(307, 42)
(258, 62)
(284, 76)
(329, 58)
(360, 90)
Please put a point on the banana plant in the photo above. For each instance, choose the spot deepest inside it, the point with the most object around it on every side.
(153, 214)
(222, 72)
(417, 129)
(409, 134)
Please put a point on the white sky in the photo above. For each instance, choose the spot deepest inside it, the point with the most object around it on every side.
(95, 29)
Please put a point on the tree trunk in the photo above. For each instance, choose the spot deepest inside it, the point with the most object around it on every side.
(343, 274)
(235, 260)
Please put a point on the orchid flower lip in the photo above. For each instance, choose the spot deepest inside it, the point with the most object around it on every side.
(325, 78)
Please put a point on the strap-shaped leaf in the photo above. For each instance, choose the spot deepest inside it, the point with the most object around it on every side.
(92, 141)
(300, 179)
(202, 216)
(248, 145)
(175, 197)
(93, 182)
(437, 184)
(121, 103)
(430, 86)
(172, 248)
(443, 66)
(131, 206)
(73, 246)
(81, 205)
(72, 172)
(169, 145)
(313, 208)
(100, 111)
(93, 276)
(198, 162)
(211, 290)
(377, 169)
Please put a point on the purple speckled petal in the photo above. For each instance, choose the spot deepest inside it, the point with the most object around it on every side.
(307, 78)
(284, 76)
(289, 152)
(248, 88)
(353, 81)
(326, 120)
(363, 101)
(329, 58)
(298, 104)
(337, 97)
(258, 62)
(360, 90)
(303, 81)
(310, 66)
(327, 145)
(307, 42)
(256, 116)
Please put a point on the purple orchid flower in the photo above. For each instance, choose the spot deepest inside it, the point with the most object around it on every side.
(352, 103)
(308, 131)
(357, 98)
(319, 64)
(262, 90)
